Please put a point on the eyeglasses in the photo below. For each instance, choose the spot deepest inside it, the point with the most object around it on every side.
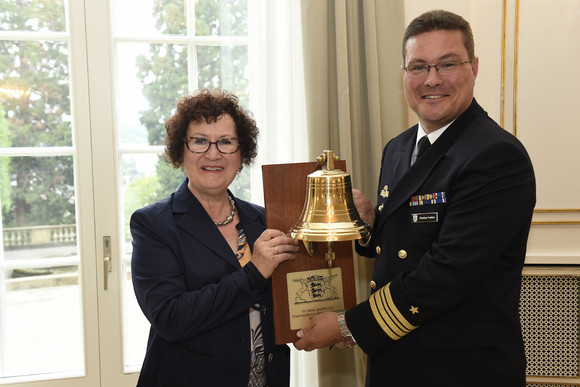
(443, 68)
(202, 145)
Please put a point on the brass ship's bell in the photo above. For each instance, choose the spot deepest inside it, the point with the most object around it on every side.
(329, 213)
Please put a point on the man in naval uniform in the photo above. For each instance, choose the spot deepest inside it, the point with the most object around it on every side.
(454, 207)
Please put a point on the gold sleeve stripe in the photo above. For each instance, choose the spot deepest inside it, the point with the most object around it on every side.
(387, 315)
(383, 317)
(386, 305)
(407, 325)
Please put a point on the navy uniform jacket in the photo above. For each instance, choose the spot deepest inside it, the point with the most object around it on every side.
(449, 243)
(196, 296)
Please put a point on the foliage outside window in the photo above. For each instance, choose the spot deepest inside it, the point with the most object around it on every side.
(35, 102)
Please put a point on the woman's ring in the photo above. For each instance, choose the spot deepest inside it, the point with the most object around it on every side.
(276, 247)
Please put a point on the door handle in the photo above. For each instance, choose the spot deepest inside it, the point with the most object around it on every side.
(107, 264)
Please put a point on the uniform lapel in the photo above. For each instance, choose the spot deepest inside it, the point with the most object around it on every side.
(414, 177)
(402, 158)
(410, 183)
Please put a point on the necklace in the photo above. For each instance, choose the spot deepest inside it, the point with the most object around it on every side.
(230, 216)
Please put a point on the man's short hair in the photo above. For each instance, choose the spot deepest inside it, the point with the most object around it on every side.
(440, 20)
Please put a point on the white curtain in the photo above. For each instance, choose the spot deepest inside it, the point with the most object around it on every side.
(276, 85)
(278, 103)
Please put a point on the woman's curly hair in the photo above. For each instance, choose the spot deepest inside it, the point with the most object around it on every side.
(208, 106)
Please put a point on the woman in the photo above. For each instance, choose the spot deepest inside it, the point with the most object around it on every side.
(202, 259)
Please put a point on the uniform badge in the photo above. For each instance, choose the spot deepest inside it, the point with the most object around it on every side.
(433, 198)
(385, 192)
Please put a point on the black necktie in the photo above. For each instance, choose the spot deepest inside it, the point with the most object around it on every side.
(422, 146)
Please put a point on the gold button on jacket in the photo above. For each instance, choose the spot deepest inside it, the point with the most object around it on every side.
(378, 249)
(373, 285)
(402, 254)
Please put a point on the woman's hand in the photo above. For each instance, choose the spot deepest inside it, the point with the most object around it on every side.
(271, 248)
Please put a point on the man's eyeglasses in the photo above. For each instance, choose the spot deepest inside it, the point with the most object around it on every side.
(443, 68)
(201, 145)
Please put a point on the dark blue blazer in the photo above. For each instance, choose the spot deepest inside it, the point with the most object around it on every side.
(449, 244)
(196, 296)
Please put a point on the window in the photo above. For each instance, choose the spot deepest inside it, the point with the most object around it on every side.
(40, 299)
(69, 88)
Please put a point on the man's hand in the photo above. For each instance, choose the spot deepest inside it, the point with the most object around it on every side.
(321, 331)
(363, 206)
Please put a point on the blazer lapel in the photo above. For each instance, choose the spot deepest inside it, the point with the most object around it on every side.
(192, 218)
(252, 221)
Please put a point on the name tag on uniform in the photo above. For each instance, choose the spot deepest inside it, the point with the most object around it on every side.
(425, 217)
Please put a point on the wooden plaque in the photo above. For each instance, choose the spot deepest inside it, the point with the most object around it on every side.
(285, 190)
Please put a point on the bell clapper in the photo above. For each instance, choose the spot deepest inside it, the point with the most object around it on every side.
(330, 256)
(310, 247)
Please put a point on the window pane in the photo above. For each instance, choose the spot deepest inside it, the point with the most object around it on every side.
(221, 18)
(40, 194)
(42, 329)
(225, 67)
(40, 308)
(34, 93)
(151, 78)
(32, 15)
(148, 17)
